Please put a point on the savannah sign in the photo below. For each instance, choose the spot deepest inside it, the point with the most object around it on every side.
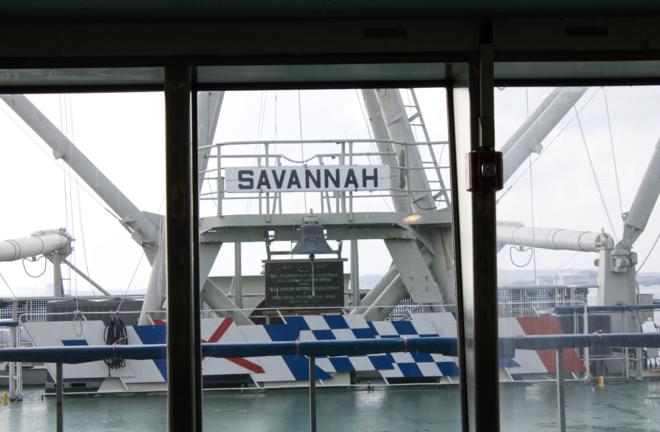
(308, 178)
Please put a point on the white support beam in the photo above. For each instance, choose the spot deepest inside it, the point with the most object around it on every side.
(387, 298)
(398, 126)
(413, 269)
(529, 136)
(209, 104)
(644, 202)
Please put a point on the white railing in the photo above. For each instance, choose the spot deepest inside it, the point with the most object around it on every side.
(333, 153)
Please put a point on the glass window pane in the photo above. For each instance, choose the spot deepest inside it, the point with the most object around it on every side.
(577, 234)
(370, 169)
(83, 193)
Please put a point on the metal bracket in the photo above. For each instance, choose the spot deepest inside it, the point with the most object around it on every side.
(485, 173)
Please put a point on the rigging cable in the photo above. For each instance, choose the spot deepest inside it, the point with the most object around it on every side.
(263, 98)
(34, 260)
(68, 191)
(137, 266)
(546, 148)
(300, 134)
(616, 171)
(568, 260)
(649, 254)
(8, 287)
(49, 155)
(520, 249)
(593, 172)
(531, 197)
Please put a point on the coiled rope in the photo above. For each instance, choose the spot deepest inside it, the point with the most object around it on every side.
(115, 334)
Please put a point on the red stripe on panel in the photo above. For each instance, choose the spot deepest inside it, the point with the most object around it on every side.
(219, 333)
(548, 325)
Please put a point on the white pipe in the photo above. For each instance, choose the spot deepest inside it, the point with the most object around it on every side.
(553, 238)
(38, 244)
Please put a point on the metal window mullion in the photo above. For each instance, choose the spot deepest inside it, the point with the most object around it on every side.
(197, 285)
(472, 102)
(184, 392)
(484, 252)
(458, 268)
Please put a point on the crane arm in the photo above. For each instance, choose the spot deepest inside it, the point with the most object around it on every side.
(141, 228)
(528, 138)
(208, 112)
(647, 195)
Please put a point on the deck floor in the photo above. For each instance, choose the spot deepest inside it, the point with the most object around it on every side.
(630, 407)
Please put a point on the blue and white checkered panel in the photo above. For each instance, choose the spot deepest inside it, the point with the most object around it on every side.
(384, 329)
(424, 326)
(349, 327)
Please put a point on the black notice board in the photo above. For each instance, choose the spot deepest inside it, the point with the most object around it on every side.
(289, 283)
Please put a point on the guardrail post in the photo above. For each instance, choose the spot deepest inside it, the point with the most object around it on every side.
(585, 330)
(561, 406)
(11, 377)
(312, 393)
(59, 392)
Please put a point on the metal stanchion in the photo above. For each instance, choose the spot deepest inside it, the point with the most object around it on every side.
(312, 393)
(59, 391)
(561, 406)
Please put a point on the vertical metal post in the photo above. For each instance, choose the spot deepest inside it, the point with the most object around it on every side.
(585, 330)
(452, 126)
(355, 273)
(197, 293)
(561, 403)
(59, 392)
(19, 365)
(312, 393)
(342, 162)
(267, 157)
(626, 362)
(13, 344)
(220, 183)
(58, 285)
(238, 289)
(182, 340)
(260, 193)
(350, 194)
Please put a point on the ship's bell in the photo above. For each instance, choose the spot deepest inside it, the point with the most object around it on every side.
(311, 240)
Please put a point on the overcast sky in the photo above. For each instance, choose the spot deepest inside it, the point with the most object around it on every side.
(123, 134)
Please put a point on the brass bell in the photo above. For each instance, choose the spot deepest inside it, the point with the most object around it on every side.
(311, 240)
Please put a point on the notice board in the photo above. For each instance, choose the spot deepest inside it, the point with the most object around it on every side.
(289, 283)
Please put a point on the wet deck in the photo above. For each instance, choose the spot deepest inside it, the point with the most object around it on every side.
(630, 407)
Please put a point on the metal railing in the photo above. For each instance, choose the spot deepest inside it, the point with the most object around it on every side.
(529, 300)
(312, 349)
(333, 153)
